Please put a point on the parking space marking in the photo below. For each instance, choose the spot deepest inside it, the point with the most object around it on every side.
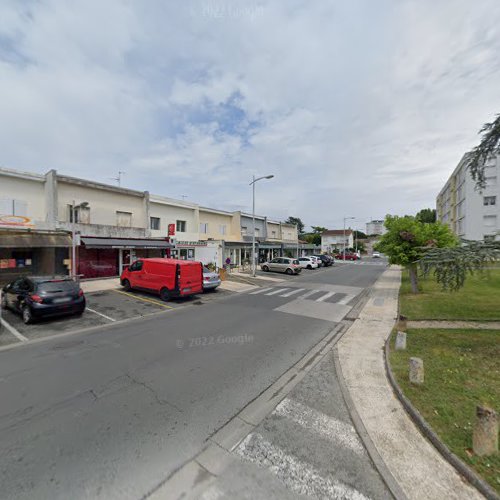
(100, 314)
(261, 291)
(144, 299)
(14, 332)
(293, 292)
(279, 290)
(324, 297)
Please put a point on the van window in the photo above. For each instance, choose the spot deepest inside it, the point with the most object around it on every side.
(136, 266)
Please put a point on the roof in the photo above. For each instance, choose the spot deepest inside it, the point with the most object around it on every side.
(337, 232)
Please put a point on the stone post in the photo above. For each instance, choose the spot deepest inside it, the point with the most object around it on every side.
(485, 433)
(416, 371)
(401, 341)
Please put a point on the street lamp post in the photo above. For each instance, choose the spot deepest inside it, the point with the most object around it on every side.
(343, 251)
(253, 216)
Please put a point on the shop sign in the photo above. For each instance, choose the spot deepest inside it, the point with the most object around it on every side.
(171, 229)
(191, 243)
(15, 221)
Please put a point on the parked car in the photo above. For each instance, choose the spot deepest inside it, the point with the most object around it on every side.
(348, 256)
(325, 259)
(376, 255)
(316, 259)
(282, 265)
(211, 279)
(167, 277)
(36, 297)
(308, 263)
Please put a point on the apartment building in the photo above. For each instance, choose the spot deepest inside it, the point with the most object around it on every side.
(375, 227)
(335, 239)
(471, 214)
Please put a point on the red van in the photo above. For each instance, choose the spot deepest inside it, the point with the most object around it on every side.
(167, 277)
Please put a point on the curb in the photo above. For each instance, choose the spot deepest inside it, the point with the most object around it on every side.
(463, 469)
(389, 480)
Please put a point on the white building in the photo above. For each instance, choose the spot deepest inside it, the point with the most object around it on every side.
(472, 214)
(335, 239)
(375, 227)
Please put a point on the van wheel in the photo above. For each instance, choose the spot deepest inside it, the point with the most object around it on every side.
(289, 271)
(265, 268)
(309, 266)
(27, 316)
(164, 294)
(126, 285)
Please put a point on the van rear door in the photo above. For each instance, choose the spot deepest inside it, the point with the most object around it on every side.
(190, 278)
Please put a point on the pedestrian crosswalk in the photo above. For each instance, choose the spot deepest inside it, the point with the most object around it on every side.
(338, 295)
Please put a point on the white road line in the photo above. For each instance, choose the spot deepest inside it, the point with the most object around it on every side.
(332, 429)
(298, 476)
(324, 297)
(261, 290)
(346, 299)
(100, 314)
(293, 292)
(279, 290)
(308, 294)
(14, 332)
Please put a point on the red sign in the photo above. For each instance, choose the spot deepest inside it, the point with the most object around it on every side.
(171, 229)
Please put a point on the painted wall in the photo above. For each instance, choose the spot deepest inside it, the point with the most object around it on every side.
(276, 228)
(215, 220)
(260, 227)
(289, 233)
(170, 213)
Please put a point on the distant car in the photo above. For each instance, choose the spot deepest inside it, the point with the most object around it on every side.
(36, 297)
(376, 255)
(348, 256)
(282, 265)
(317, 259)
(211, 279)
(325, 259)
(308, 263)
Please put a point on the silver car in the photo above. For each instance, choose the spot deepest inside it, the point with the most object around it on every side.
(211, 279)
(282, 265)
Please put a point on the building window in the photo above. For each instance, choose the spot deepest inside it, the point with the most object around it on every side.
(489, 237)
(490, 221)
(123, 219)
(491, 181)
(10, 206)
(222, 229)
(273, 234)
(82, 214)
(203, 227)
(257, 231)
(180, 226)
(244, 230)
(489, 200)
(154, 223)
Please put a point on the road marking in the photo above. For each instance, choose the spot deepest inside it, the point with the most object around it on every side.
(298, 476)
(100, 314)
(14, 332)
(279, 290)
(328, 427)
(324, 297)
(308, 294)
(293, 292)
(346, 299)
(144, 299)
(261, 290)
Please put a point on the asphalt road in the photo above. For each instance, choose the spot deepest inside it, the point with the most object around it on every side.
(110, 414)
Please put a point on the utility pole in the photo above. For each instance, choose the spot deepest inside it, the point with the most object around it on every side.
(118, 179)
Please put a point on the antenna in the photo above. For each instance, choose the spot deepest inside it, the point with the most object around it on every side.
(118, 179)
(183, 196)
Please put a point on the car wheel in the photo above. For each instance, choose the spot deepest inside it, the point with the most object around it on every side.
(289, 271)
(4, 302)
(27, 316)
(165, 294)
(126, 285)
(309, 266)
(265, 268)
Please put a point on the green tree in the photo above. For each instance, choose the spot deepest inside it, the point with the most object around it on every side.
(318, 229)
(426, 215)
(407, 240)
(488, 148)
(297, 222)
(359, 235)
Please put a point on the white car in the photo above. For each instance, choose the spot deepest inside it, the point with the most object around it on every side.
(308, 263)
(317, 259)
(376, 255)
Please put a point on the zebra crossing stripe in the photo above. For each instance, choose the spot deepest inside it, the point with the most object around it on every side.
(346, 299)
(279, 290)
(293, 292)
(260, 290)
(308, 294)
(324, 297)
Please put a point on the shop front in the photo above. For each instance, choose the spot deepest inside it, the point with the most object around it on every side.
(106, 257)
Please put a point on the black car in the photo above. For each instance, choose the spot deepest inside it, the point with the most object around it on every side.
(41, 296)
(326, 259)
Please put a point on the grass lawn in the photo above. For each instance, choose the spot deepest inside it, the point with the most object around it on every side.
(462, 369)
(478, 300)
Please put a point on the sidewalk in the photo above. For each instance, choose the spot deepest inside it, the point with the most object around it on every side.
(415, 464)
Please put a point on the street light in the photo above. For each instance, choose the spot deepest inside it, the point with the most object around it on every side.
(253, 216)
(83, 204)
(343, 252)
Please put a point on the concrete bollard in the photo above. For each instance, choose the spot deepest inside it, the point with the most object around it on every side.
(416, 371)
(485, 433)
(400, 341)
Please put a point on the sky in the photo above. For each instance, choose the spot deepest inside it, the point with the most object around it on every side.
(359, 108)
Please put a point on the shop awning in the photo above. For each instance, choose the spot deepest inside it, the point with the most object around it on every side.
(34, 240)
(124, 243)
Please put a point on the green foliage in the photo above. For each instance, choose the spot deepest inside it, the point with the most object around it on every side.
(318, 230)
(488, 148)
(407, 239)
(359, 235)
(450, 266)
(296, 221)
(426, 215)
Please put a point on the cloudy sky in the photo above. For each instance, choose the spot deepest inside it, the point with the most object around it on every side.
(358, 107)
